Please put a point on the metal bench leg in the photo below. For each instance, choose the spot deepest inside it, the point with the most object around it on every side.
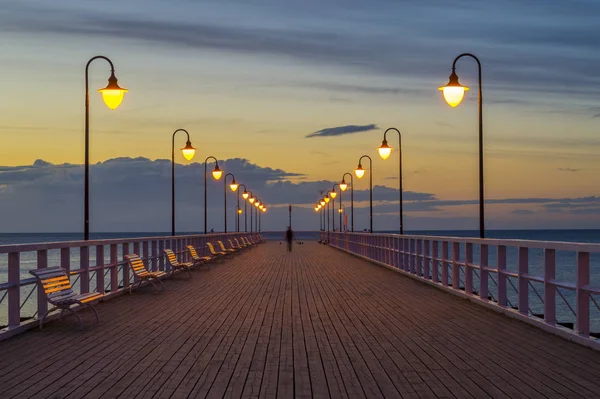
(43, 318)
(95, 312)
(78, 317)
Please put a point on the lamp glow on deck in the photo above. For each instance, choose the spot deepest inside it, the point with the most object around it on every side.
(245, 195)
(113, 94)
(359, 171)
(217, 173)
(384, 150)
(234, 186)
(188, 151)
(453, 92)
(343, 185)
(251, 200)
(332, 194)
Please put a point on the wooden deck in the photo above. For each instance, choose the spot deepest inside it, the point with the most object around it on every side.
(313, 323)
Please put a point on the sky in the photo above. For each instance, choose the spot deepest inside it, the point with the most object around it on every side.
(288, 95)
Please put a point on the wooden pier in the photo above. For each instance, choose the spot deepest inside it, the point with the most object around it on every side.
(315, 322)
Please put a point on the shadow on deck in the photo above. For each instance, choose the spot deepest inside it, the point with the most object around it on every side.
(313, 323)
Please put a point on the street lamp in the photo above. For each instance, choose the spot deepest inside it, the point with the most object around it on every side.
(384, 153)
(112, 95)
(333, 194)
(453, 94)
(216, 173)
(245, 196)
(251, 200)
(360, 172)
(343, 187)
(188, 153)
(233, 186)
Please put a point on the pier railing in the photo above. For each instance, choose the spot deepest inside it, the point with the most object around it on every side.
(555, 285)
(94, 266)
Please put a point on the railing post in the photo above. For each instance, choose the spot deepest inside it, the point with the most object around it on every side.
(434, 261)
(427, 259)
(469, 268)
(582, 324)
(455, 265)
(114, 269)
(146, 252)
(42, 263)
(501, 266)
(125, 266)
(445, 262)
(84, 262)
(100, 271)
(549, 288)
(161, 259)
(483, 275)
(420, 258)
(413, 256)
(14, 292)
(523, 282)
(154, 262)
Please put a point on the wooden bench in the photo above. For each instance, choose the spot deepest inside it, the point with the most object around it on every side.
(233, 246)
(59, 293)
(196, 259)
(176, 265)
(142, 273)
(214, 253)
(242, 245)
(226, 250)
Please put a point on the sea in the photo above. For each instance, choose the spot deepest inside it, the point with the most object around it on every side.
(565, 263)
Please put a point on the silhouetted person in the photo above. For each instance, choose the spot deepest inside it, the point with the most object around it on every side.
(289, 237)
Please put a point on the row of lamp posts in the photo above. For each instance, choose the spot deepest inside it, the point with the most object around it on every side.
(453, 93)
(112, 95)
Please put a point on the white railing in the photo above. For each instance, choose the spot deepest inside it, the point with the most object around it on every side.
(94, 266)
(547, 282)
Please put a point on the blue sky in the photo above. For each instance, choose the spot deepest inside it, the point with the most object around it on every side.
(258, 81)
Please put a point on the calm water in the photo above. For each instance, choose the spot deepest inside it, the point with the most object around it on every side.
(565, 261)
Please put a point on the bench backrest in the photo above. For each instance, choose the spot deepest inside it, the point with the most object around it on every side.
(193, 252)
(238, 243)
(232, 245)
(222, 246)
(137, 264)
(171, 257)
(54, 281)
(211, 248)
(245, 241)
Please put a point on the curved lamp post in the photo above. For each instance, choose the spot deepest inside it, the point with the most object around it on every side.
(333, 194)
(251, 200)
(112, 95)
(216, 173)
(360, 172)
(188, 153)
(384, 153)
(233, 186)
(343, 187)
(245, 195)
(256, 205)
(453, 94)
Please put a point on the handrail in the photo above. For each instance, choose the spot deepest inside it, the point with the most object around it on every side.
(95, 266)
(516, 259)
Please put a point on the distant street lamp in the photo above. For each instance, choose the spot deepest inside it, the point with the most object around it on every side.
(343, 187)
(245, 196)
(360, 172)
(216, 173)
(188, 153)
(112, 95)
(233, 186)
(384, 153)
(333, 194)
(453, 94)
(251, 200)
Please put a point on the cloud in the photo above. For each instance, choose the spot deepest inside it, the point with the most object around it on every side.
(523, 212)
(341, 130)
(569, 169)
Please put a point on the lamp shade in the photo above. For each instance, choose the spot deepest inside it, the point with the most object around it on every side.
(112, 94)
(217, 173)
(245, 194)
(188, 151)
(359, 171)
(343, 185)
(251, 200)
(453, 92)
(384, 150)
(332, 194)
(234, 186)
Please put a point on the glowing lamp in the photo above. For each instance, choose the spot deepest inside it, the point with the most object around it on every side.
(112, 94)
(251, 200)
(256, 204)
(240, 211)
(453, 92)
(322, 202)
(245, 194)
(343, 185)
(264, 209)
(385, 150)
(316, 209)
(340, 210)
(332, 194)
(217, 173)
(327, 199)
(188, 151)
(234, 186)
(359, 171)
